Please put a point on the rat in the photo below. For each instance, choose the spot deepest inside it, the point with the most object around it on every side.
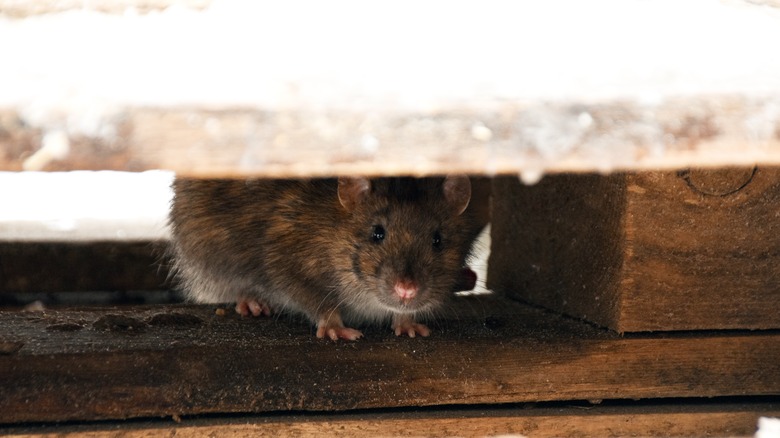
(336, 250)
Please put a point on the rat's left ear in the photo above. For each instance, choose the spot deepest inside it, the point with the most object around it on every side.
(352, 191)
(457, 192)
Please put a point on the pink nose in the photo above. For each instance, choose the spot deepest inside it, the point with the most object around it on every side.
(405, 289)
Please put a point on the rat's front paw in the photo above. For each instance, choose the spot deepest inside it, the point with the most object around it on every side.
(251, 306)
(332, 327)
(336, 333)
(403, 324)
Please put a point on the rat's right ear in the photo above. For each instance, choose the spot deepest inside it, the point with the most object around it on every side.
(352, 191)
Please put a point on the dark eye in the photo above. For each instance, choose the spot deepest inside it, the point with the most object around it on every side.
(378, 234)
(437, 240)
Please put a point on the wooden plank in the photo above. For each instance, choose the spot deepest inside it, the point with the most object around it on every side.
(158, 361)
(71, 267)
(672, 420)
(644, 251)
(559, 243)
(328, 142)
(704, 250)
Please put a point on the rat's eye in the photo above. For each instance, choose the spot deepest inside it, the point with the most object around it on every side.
(437, 240)
(378, 234)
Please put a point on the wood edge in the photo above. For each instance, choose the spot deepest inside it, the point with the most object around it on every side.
(683, 418)
(670, 146)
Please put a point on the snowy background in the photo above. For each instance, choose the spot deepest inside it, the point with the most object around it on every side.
(84, 206)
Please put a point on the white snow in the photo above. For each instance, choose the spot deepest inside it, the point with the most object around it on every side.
(84, 206)
(768, 427)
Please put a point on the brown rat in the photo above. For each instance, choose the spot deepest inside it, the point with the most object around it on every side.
(349, 249)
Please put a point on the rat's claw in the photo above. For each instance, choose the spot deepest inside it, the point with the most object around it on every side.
(331, 326)
(246, 307)
(336, 333)
(405, 325)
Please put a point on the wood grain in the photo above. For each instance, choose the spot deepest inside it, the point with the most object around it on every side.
(642, 419)
(646, 251)
(699, 256)
(487, 138)
(560, 243)
(158, 361)
(72, 267)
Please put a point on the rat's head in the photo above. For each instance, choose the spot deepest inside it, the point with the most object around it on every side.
(409, 239)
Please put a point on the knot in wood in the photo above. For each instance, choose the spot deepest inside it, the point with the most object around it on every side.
(717, 182)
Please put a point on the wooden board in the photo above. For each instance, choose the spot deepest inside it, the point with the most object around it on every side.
(494, 138)
(179, 360)
(91, 266)
(644, 251)
(640, 419)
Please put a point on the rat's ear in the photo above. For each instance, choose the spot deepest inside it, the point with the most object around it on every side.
(457, 192)
(352, 191)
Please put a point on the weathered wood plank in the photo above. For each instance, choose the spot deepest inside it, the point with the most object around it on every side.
(103, 364)
(93, 266)
(644, 251)
(498, 138)
(679, 419)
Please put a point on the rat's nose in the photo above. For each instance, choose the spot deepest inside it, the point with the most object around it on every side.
(406, 289)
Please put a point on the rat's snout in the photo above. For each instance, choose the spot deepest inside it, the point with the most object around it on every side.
(406, 289)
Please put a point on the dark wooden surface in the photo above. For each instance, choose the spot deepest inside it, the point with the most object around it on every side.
(179, 360)
(33, 267)
(644, 251)
(665, 419)
(559, 243)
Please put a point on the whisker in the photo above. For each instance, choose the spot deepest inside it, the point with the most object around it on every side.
(326, 297)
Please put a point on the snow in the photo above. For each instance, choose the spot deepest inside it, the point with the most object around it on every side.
(768, 428)
(84, 206)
